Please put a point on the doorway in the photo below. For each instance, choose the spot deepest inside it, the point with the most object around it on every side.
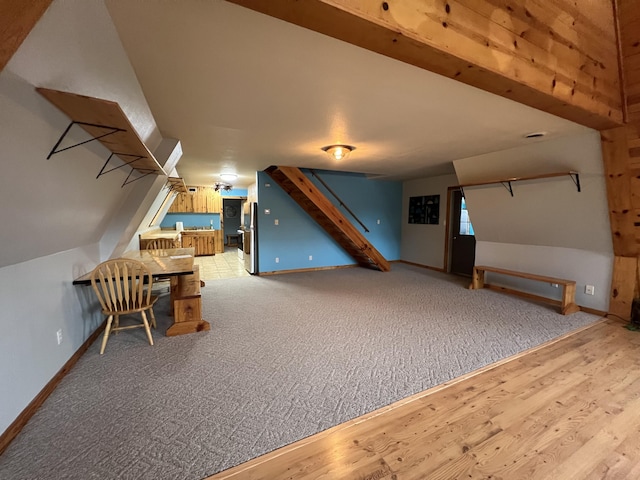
(231, 215)
(462, 237)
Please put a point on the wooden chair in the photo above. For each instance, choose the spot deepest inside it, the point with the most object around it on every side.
(123, 287)
(160, 244)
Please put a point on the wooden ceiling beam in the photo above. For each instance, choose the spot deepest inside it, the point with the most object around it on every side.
(16, 21)
(543, 53)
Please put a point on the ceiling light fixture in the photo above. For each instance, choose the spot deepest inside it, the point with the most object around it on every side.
(228, 177)
(338, 152)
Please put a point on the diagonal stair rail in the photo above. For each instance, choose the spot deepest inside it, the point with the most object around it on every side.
(335, 195)
(305, 193)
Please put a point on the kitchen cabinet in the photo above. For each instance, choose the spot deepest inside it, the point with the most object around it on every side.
(197, 200)
(219, 242)
(205, 242)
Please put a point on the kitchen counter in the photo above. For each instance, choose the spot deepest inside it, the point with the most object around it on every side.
(147, 237)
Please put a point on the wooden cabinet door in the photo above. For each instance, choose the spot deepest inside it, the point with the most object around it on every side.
(218, 242)
(200, 200)
(203, 200)
(187, 241)
(216, 206)
(182, 203)
(201, 245)
(208, 245)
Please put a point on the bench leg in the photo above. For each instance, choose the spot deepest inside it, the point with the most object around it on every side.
(477, 281)
(569, 300)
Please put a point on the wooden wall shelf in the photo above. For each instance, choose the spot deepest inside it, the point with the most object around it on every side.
(176, 184)
(105, 121)
(506, 182)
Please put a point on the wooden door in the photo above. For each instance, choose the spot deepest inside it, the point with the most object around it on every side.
(187, 241)
(463, 241)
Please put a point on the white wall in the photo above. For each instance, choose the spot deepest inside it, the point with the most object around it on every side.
(547, 227)
(37, 299)
(424, 244)
(58, 220)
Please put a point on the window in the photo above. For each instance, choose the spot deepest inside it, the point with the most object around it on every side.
(465, 223)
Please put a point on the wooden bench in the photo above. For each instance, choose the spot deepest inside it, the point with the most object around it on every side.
(567, 304)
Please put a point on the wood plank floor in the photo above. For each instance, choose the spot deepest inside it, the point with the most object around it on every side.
(567, 410)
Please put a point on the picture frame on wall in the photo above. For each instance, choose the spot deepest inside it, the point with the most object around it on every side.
(424, 209)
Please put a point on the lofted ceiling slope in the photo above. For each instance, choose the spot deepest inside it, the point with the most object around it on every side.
(243, 91)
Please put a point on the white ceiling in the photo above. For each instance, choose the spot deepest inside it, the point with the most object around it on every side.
(243, 91)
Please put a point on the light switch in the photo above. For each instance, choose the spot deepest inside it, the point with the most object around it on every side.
(276, 222)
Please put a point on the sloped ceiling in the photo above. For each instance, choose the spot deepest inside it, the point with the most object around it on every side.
(243, 91)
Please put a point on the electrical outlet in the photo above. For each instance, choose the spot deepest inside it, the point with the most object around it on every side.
(589, 289)
(378, 222)
(59, 336)
(277, 259)
(554, 285)
(276, 222)
(310, 257)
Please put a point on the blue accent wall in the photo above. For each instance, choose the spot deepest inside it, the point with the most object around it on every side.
(191, 220)
(297, 235)
(234, 192)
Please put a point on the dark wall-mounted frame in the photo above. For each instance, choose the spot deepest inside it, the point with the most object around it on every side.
(424, 209)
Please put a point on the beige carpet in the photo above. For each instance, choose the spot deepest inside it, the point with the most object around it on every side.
(287, 356)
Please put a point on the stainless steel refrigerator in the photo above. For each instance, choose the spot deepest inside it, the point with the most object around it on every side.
(251, 241)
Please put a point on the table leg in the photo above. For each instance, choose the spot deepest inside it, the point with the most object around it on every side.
(186, 305)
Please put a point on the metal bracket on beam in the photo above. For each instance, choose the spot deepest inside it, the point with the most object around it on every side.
(575, 176)
(111, 132)
(508, 186)
(102, 172)
(127, 181)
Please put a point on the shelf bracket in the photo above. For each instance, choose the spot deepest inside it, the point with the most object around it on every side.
(575, 176)
(102, 172)
(507, 184)
(127, 181)
(111, 132)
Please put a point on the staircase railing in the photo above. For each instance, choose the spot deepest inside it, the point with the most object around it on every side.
(342, 204)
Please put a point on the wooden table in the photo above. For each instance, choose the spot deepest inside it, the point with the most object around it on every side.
(186, 303)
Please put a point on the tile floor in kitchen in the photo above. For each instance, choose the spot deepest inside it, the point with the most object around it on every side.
(221, 265)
